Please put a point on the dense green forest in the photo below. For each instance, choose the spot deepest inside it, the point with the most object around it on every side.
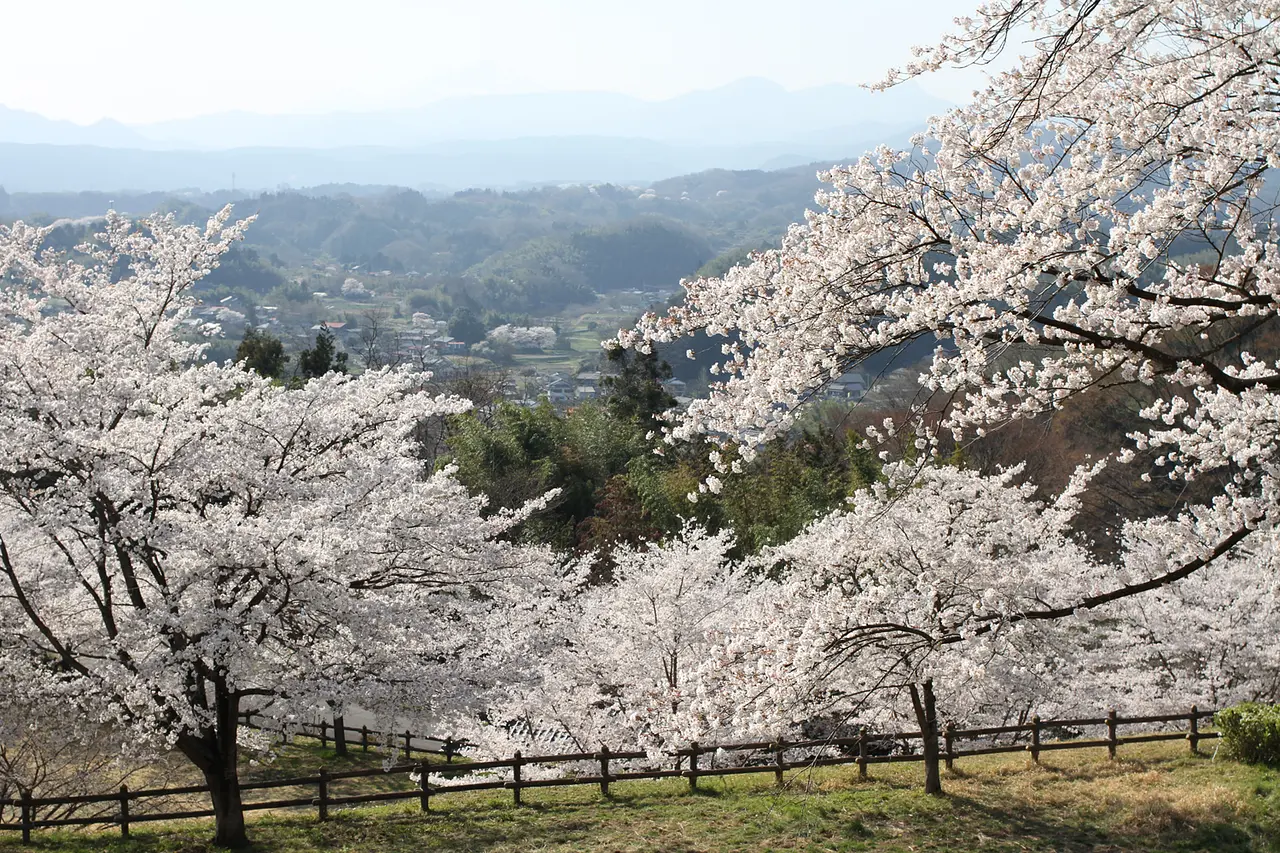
(614, 488)
(618, 483)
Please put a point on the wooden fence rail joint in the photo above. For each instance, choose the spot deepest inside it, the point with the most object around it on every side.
(1111, 733)
(423, 771)
(516, 763)
(322, 801)
(603, 756)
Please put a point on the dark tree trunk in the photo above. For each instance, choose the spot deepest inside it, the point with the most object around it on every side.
(927, 718)
(215, 753)
(339, 735)
(228, 812)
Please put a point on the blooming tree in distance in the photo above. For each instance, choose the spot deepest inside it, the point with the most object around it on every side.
(524, 338)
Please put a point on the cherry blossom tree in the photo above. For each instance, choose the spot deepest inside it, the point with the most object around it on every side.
(866, 597)
(1212, 638)
(877, 602)
(1102, 213)
(353, 288)
(182, 541)
(46, 751)
(524, 338)
(619, 656)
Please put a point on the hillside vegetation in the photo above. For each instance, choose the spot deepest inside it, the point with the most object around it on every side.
(533, 250)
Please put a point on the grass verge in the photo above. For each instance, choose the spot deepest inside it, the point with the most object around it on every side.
(1154, 798)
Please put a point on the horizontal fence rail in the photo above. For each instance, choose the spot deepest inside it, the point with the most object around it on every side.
(687, 764)
(363, 736)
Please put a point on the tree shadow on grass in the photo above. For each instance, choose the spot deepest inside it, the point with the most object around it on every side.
(1159, 829)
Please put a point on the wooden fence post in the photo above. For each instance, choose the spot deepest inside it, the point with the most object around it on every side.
(423, 769)
(364, 738)
(949, 739)
(124, 811)
(1111, 734)
(1193, 732)
(693, 766)
(515, 777)
(780, 764)
(862, 752)
(449, 748)
(27, 817)
(1035, 738)
(408, 744)
(604, 770)
(324, 734)
(340, 735)
(322, 802)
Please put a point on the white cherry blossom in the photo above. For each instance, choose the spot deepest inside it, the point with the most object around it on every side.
(181, 541)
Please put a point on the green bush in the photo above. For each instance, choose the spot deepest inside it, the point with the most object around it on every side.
(1251, 732)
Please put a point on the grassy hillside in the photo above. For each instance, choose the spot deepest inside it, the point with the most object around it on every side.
(1154, 798)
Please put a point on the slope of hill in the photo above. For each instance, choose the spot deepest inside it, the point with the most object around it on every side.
(533, 250)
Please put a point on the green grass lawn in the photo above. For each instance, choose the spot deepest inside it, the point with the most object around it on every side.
(1154, 798)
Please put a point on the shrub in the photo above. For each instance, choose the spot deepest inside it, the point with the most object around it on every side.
(1251, 732)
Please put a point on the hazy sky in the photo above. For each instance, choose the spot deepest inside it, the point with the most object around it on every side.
(149, 60)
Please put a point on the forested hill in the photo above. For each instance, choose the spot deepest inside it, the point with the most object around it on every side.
(532, 250)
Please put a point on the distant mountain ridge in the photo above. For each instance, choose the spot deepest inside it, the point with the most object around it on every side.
(500, 141)
(21, 126)
(749, 111)
(502, 164)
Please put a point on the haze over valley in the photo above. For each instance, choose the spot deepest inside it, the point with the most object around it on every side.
(496, 141)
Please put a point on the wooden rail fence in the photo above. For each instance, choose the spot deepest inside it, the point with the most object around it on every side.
(686, 762)
(363, 736)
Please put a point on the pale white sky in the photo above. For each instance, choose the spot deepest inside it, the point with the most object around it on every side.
(150, 60)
